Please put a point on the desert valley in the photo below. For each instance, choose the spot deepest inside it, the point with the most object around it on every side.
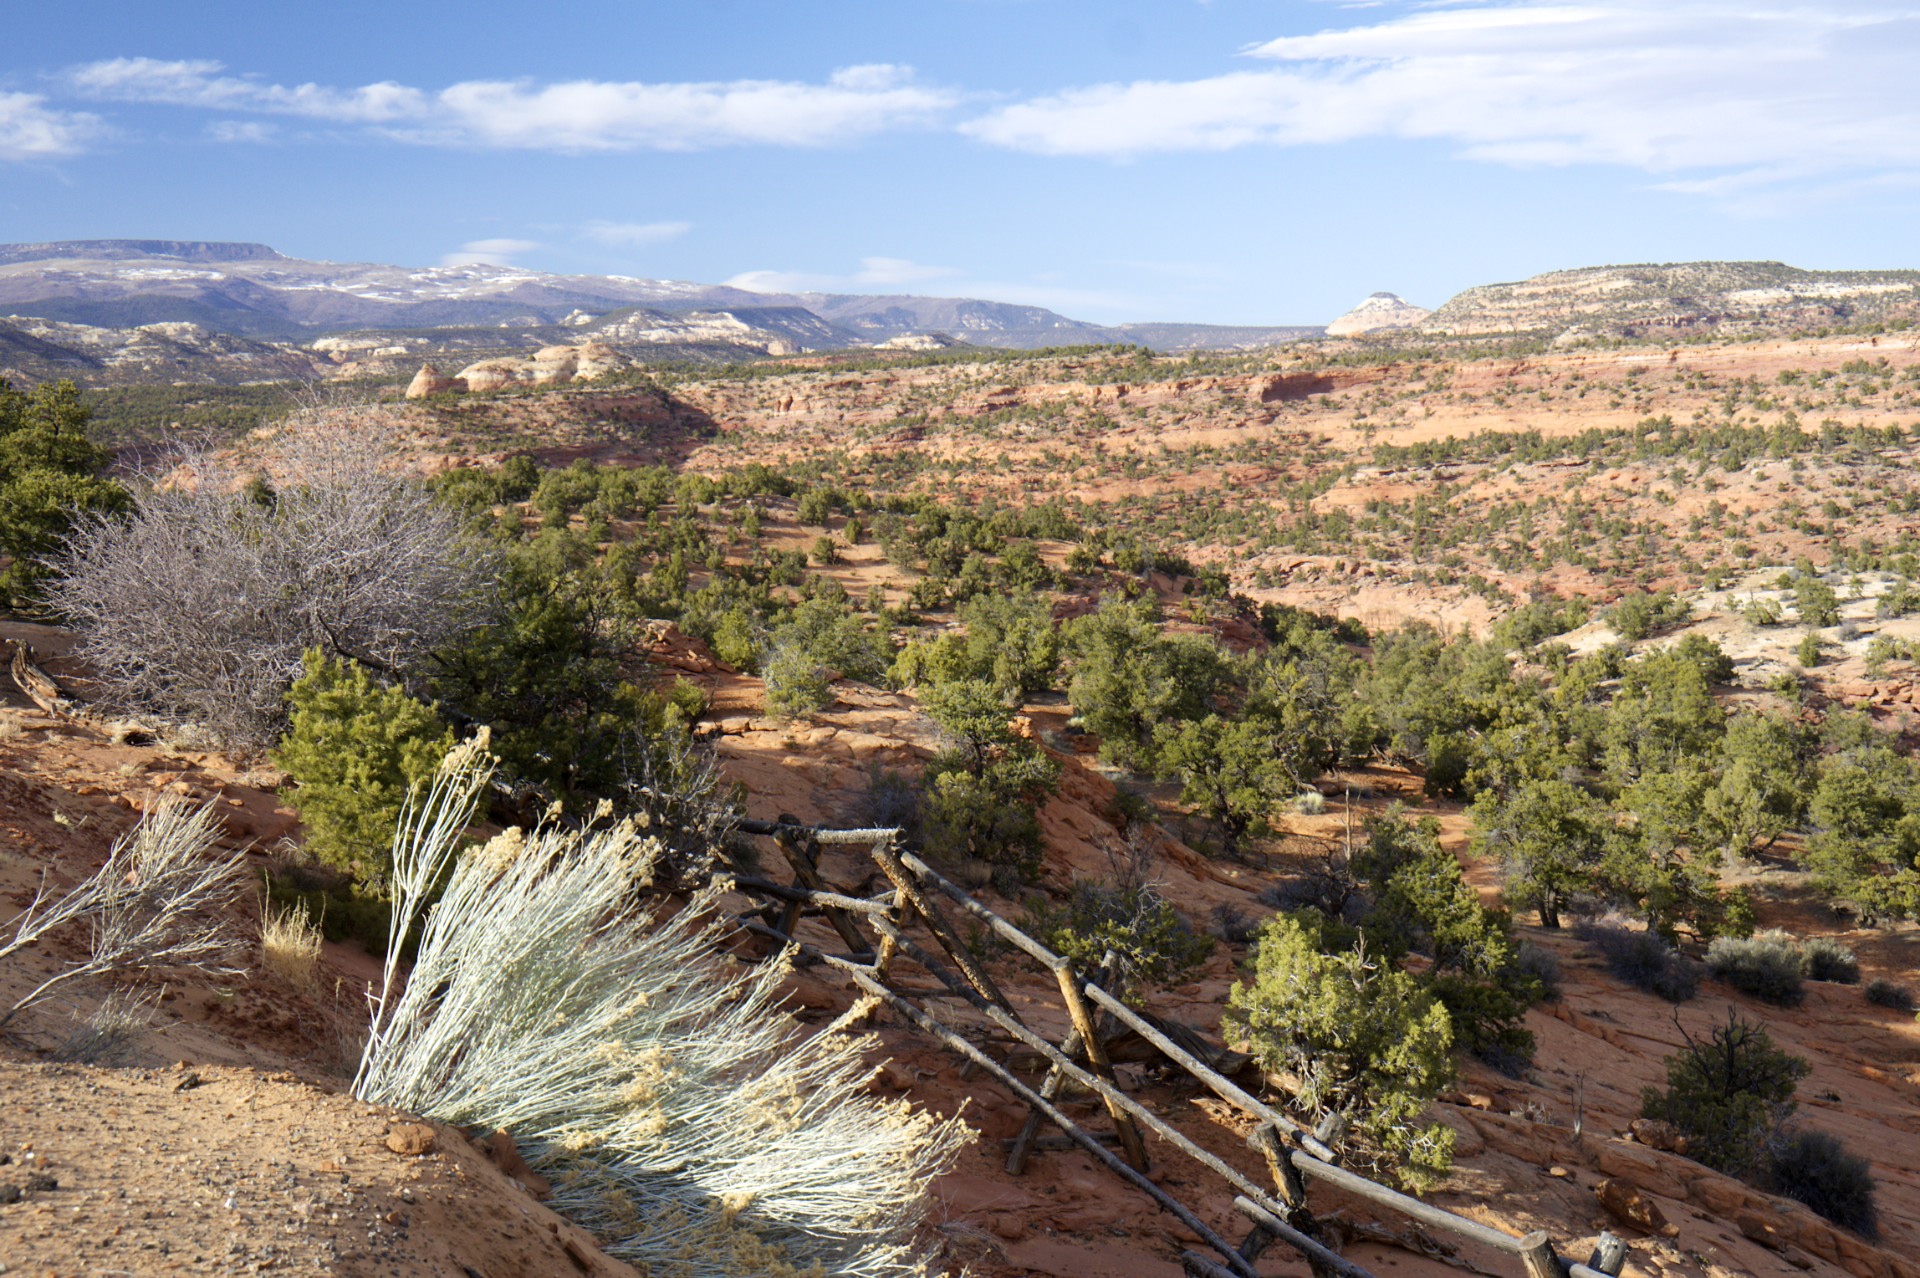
(1471, 749)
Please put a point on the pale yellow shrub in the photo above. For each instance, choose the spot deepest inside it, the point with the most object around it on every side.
(290, 947)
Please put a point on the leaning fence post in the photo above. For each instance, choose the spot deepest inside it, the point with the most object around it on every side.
(1536, 1253)
(936, 922)
(1610, 1255)
(1097, 1061)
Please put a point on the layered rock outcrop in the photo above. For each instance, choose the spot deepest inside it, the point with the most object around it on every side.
(548, 366)
(1381, 312)
(431, 381)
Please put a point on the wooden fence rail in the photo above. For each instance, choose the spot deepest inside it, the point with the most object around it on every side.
(1295, 1154)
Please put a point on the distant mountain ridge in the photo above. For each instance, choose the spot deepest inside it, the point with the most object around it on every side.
(252, 290)
(110, 250)
(1648, 300)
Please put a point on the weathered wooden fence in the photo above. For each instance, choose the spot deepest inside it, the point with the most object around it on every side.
(877, 933)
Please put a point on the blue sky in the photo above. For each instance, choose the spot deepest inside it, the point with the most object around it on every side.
(1233, 161)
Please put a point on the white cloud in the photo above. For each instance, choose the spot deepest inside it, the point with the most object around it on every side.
(1662, 85)
(30, 130)
(489, 252)
(898, 275)
(577, 115)
(199, 83)
(242, 131)
(634, 234)
(892, 274)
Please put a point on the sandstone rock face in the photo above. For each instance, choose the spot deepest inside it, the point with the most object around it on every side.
(493, 374)
(1678, 298)
(1381, 312)
(596, 359)
(430, 381)
(918, 342)
(548, 366)
(553, 364)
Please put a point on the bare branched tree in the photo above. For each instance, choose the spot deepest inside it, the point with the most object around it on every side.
(200, 604)
(159, 903)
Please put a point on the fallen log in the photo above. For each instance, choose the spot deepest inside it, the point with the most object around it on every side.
(38, 685)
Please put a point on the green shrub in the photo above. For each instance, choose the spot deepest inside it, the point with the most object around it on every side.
(1766, 966)
(1815, 1168)
(1422, 903)
(1010, 641)
(354, 749)
(820, 639)
(1728, 1093)
(1233, 771)
(1815, 601)
(1884, 993)
(1131, 680)
(1639, 615)
(1643, 959)
(967, 817)
(1155, 941)
(1824, 959)
(797, 684)
(1364, 1039)
(737, 639)
(50, 471)
(1541, 965)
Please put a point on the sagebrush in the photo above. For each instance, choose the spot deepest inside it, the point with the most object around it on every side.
(679, 1114)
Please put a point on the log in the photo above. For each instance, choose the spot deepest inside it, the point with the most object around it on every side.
(1407, 1205)
(1267, 1223)
(1536, 1254)
(767, 887)
(1000, 927)
(1197, 1266)
(1309, 1247)
(799, 855)
(1220, 1085)
(1609, 1255)
(1050, 1089)
(1098, 1063)
(1238, 1268)
(38, 685)
(937, 923)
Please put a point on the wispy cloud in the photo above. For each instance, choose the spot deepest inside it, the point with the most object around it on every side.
(1666, 86)
(900, 275)
(891, 273)
(253, 131)
(633, 234)
(31, 130)
(499, 252)
(574, 115)
(200, 83)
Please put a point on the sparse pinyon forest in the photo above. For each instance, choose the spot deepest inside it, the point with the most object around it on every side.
(1505, 749)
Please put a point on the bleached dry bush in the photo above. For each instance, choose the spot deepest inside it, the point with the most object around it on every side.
(110, 1034)
(200, 603)
(159, 902)
(675, 1108)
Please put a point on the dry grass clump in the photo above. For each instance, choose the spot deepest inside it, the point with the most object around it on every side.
(290, 947)
(678, 1112)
